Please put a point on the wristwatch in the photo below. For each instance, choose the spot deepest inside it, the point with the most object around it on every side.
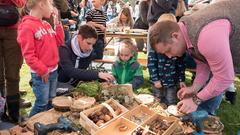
(196, 99)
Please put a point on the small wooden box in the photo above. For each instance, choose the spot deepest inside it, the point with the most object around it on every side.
(113, 128)
(139, 114)
(89, 125)
(173, 126)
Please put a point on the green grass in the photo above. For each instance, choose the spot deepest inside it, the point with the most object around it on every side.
(229, 114)
(25, 76)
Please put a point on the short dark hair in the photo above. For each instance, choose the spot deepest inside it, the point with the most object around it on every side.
(161, 32)
(87, 31)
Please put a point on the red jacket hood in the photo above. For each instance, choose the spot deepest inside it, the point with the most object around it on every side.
(30, 19)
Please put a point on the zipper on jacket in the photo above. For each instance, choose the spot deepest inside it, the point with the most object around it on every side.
(123, 74)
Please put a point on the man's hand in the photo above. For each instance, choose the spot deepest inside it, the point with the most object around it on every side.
(45, 78)
(106, 76)
(185, 92)
(186, 105)
(73, 14)
(71, 22)
(182, 85)
(157, 84)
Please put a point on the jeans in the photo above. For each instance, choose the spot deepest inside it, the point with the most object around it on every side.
(98, 48)
(167, 96)
(211, 105)
(43, 92)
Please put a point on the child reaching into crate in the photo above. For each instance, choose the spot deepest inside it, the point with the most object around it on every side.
(126, 69)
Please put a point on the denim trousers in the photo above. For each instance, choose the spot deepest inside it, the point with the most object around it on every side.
(211, 105)
(167, 96)
(43, 92)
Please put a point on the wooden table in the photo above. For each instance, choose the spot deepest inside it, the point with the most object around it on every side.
(125, 35)
(142, 62)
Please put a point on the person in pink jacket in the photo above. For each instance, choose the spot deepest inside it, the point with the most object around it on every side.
(38, 43)
(213, 41)
(10, 61)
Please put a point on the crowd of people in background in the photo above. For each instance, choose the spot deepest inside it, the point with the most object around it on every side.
(59, 39)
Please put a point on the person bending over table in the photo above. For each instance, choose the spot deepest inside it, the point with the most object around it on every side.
(213, 41)
(76, 57)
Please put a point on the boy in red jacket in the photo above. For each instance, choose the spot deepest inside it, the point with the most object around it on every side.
(39, 48)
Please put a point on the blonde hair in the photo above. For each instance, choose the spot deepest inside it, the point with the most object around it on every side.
(128, 43)
(167, 17)
(32, 3)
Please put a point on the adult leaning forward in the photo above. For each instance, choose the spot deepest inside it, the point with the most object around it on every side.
(76, 57)
(211, 36)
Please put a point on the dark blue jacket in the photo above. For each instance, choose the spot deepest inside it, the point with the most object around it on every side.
(159, 7)
(67, 68)
(170, 71)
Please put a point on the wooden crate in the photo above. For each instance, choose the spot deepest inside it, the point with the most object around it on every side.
(89, 125)
(113, 128)
(139, 114)
(170, 119)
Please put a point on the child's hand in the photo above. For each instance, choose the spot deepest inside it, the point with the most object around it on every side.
(55, 16)
(45, 78)
(157, 84)
(182, 84)
(103, 28)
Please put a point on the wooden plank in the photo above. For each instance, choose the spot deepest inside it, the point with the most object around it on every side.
(142, 62)
(127, 35)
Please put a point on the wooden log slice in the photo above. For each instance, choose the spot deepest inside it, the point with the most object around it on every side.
(82, 103)
(213, 125)
(17, 130)
(5, 132)
(62, 103)
(47, 117)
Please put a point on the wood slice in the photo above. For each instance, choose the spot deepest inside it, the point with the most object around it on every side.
(62, 103)
(82, 103)
(17, 130)
(5, 132)
(47, 117)
(213, 125)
